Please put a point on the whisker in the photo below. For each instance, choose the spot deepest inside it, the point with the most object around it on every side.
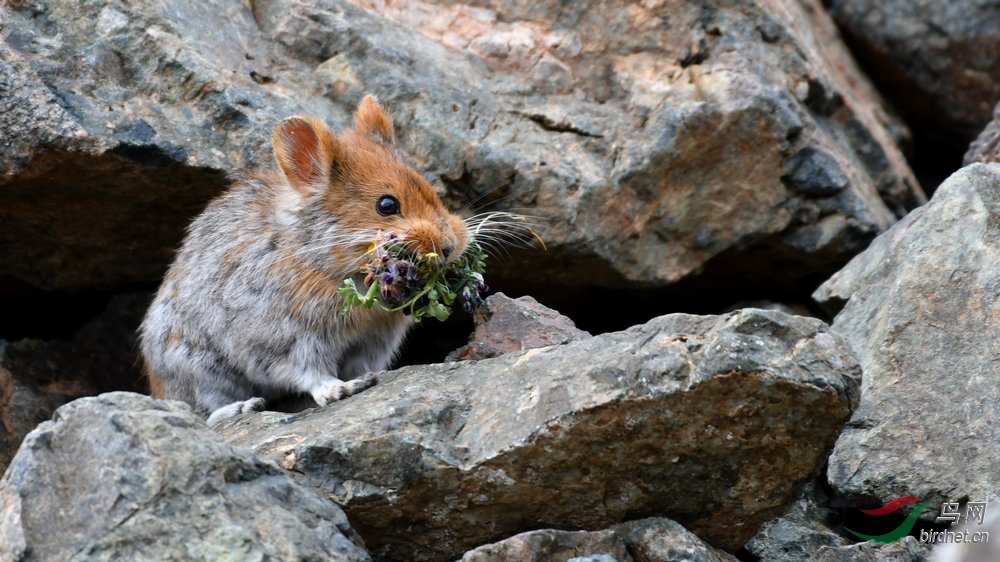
(498, 231)
(483, 195)
(338, 239)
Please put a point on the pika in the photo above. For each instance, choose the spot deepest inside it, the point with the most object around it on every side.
(249, 311)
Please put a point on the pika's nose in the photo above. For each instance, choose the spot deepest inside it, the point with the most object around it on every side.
(447, 249)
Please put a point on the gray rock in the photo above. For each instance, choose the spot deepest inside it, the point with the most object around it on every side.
(920, 309)
(936, 58)
(986, 147)
(716, 422)
(124, 119)
(646, 540)
(123, 477)
(661, 540)
(906, 550)
(797, 535)
(651, 143)
(550, 545)
(505, 325)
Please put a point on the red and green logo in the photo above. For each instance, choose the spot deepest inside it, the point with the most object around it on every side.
(904, 528)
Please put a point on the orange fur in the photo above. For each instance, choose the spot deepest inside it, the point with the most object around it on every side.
(372, 170)
(155, 383)
(373, 121)
(310, 284)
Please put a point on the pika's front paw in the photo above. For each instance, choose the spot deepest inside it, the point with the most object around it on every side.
(234, 409)
(337, 389)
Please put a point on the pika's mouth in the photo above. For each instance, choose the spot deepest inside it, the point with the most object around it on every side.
(398, 278)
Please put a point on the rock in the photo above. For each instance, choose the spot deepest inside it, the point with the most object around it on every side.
(36, 376)
(905, 550)
(123, 477)
(654, 143)
(124, 119)
(506, 325)
(26, 401)
(920, 309)
(936, 59)
(715, 422)
(646, 540)
(795, 309)
(799, 534)
(986, 147)
(549, 545)
(661, 540)
(644, 157)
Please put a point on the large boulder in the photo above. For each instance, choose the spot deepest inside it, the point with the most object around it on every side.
(921, 310)
(654, 144)
(124, 120)
(123, 477)
(715, 422)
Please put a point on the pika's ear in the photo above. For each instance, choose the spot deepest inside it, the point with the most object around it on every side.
(373, 121)
(306, 149)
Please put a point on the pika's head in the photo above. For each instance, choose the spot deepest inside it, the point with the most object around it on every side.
(363, 187)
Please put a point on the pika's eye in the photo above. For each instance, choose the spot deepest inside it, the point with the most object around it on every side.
(387, 205)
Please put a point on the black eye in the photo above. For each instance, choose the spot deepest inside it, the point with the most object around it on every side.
(387, 205)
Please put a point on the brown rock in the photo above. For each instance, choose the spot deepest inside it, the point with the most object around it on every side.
(506, 325)
(659, 188)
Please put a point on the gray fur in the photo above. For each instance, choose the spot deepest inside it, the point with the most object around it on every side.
(223, 330)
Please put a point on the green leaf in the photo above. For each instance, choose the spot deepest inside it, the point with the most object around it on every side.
(439, 311)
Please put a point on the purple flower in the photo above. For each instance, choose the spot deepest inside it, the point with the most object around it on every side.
(391, 293)
(481, 285)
